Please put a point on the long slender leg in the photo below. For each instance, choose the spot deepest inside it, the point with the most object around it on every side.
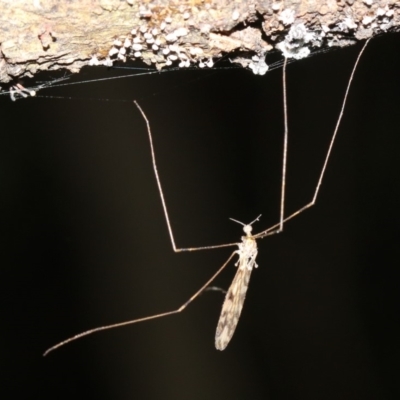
(164, 205)
(283, 185)
(134, 321)
(279, 226)
(285, 145)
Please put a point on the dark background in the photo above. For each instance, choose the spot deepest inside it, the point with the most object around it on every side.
(84, 241)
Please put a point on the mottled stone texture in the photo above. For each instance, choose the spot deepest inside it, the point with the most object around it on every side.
(50, 34)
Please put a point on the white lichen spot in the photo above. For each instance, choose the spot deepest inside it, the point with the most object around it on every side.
(154, 47)
(117, 43)
(113, 51)
(294, 45)
(168, 63)
(287, 16)
(184, 64)
(168, 20)
(137, 47)
(235, 15)
(181, 32)
(154, 31)
(369, 2)
(367, 20)
(137, 54)
(93, 61)
(130, 2)
(276, 6)
(171, 37)
(300, 32)
(205, 28)
(134, 31)
(108, 62)
(386, 25)
(144, 12)
(163, 25)
(175, 48)
(137, 39)
(172, 57)
(143, 28)
(380, 12)
(258, 65)
(165, 50)
(195, 51)
(127, 43)
(390, 13)
(347, 24)
(186, 15)
(210, 63)
(122, 51)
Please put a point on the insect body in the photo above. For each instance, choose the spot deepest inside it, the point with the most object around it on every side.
(236, 294)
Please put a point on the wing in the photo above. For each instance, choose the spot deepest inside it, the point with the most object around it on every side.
(232, 308)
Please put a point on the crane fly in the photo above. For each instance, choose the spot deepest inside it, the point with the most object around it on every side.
(247, 248)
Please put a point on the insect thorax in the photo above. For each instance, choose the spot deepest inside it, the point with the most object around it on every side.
(247, 253)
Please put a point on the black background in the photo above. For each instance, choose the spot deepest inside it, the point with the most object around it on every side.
(84, 240)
